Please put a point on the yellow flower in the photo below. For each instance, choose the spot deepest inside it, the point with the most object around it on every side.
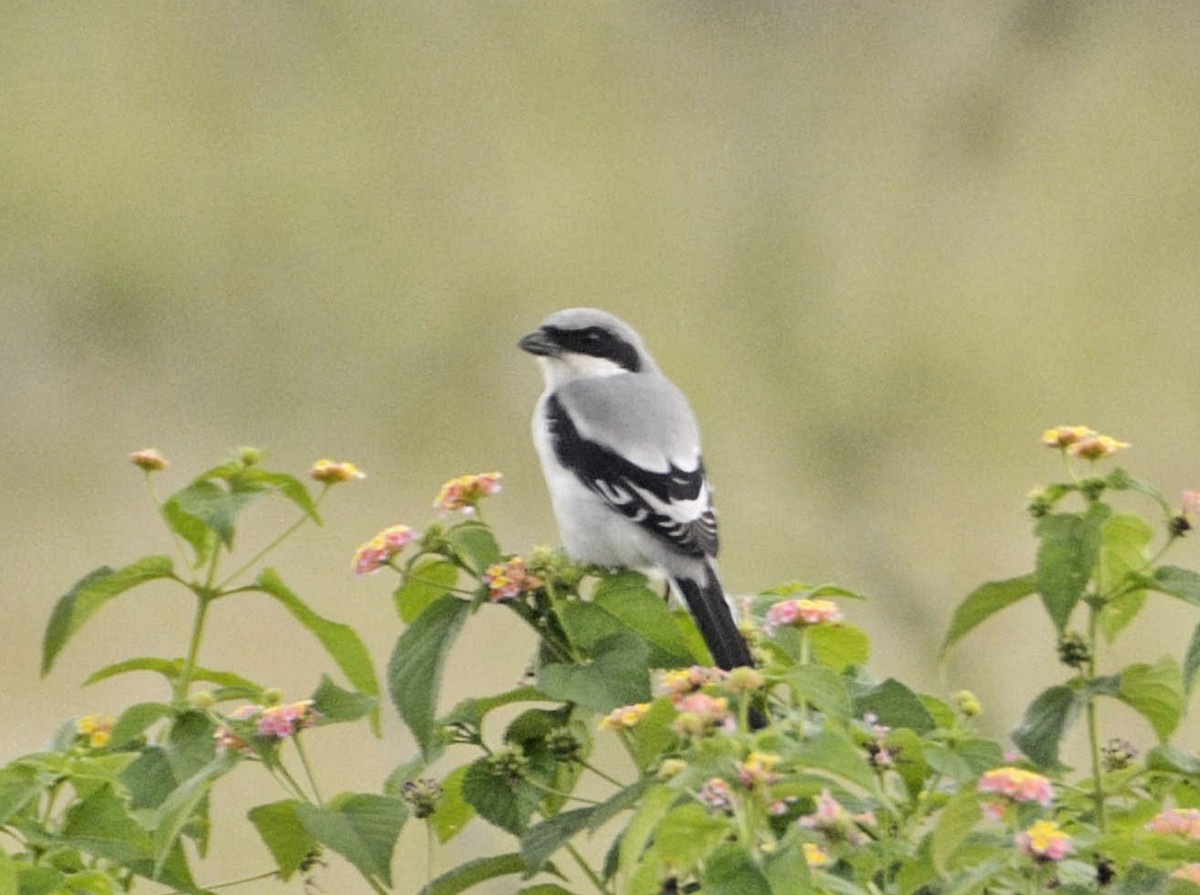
(815, 855)
(325, 470)
(1065, 436)
(625, 717)
(1096, 447)
(97, 728)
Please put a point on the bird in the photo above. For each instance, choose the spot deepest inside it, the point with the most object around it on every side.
(620, 451)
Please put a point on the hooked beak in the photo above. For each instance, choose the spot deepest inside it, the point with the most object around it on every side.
(538, 343)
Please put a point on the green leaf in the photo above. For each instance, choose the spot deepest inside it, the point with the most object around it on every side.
(191, 528)
(542, 889)
(340, 641)
(336, 705)
(1156, 693)
(955, 822)
(464, 876)
(415, 670)
(542, 840)
(8, 875)
(787, 870)
(1191, 662)
(647, 817)
(1067, 556)
(285, 837)
(1122, 555)
(171, 669)
(984, 602)
(254, 480)
(471, 712)
(654, 734)
(1171, 759)
(1046, 720)
(1177, 582)
(832, 753)
(629, 599)
(203, 505)
(1121, 480)
(100, 825)
(428, 580)
(821, 687)
(453, 811)
(19, 785)
(135, 719)
(839, 646)
(361, 827)
(895, 705)
(501, 800)
(178, 808)
(731, 870)
(91, 592)
(617, 675)
(475, 545)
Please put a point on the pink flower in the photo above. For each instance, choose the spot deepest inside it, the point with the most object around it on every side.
(801, 613)
(1044, 841)
(331, 473)
(1189, 872)
(1065, 436)
(758, 770)
(465, 492)
(378, 552)
(1177, 822)
(509, 580)
(282, 721)
(624, 717)
(717, 796)
(1018, 784)
(679, 682)
(1095, 447)
(149, 460)
(700, 715)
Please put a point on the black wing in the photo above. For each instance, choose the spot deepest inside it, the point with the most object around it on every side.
(657, 501)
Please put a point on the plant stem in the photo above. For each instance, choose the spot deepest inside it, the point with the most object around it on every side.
(1093, 726)
(308, 771)
(287, 533)
(586, 868)
(189, 664)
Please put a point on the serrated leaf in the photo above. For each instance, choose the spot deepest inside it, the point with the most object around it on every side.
(464, 876)
(135, 719)
(415, 669)
(428, 580)
(89, 594)
(731, 870)
(984, 602)
(895, 705)
(171, 669)
(1156, 693)
(617, 675)
(499, 799)
(839, 646)
(471, 712)
(335, 704)
(1177, 582)
(1067, 555)
(821, 687)
(628, 598)
(361, 827)
(475, 545)
(101, 825)
(1191, 662)
(177, 809)
(203, 503)
(452, 812)
(1123, 554)
(340, 641)
(1046, 720)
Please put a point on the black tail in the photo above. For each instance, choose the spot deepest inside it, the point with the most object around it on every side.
(706, 602)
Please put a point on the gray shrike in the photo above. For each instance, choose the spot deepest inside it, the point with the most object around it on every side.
(620, 451)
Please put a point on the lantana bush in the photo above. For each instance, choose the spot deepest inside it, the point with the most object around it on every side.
(854, 786)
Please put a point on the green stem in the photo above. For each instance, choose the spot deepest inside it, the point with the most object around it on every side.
(179, 544)
(602, 775)
(287, 533)
(231, 883)
(1093, 726)
(189, 664)
(308, 771)
(586, 868)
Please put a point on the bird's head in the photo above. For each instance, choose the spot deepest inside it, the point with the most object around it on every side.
(583, 342)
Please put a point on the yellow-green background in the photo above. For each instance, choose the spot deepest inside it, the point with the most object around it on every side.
(881, 245)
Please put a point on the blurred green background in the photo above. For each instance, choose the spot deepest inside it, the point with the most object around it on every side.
(881, 246)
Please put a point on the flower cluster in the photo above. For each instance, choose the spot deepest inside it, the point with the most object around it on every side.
(378, 552)
(801, 613)
(680, 682)
(331, 473)
(758, 772)
(271, 722)
(1183, 822)
(833, 820)
(1018, 784)
(1045, 841)
(1080, 441)
(465, 492)
(700, 715)
(717, 796)
(881, 755)
(625, 717)
(149, 460)
(97, 729)
(423, 795)
(509, 580)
